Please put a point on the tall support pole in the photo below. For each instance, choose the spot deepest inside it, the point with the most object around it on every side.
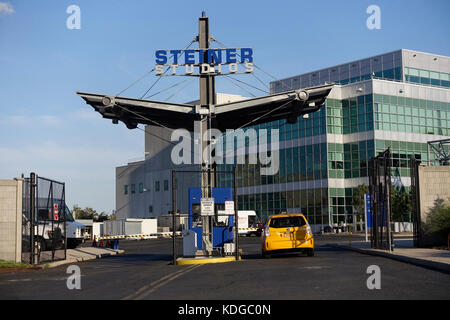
(207, 100)
(32, 215)
(174, 221)
(388, 199)
(236, 216)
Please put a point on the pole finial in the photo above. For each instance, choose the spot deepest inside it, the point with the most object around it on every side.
(203, 14)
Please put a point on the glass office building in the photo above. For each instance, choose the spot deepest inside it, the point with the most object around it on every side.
(399, 100)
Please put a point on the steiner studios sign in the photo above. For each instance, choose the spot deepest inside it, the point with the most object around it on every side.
(196, 62)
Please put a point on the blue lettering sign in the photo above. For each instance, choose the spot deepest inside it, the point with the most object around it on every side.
(175, 55)
(231, 55)
(214, 56)
(161, 57)
(246, 55)
(199, 56)
(189, 57)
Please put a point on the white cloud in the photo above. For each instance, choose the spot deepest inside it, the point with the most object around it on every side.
(6, 8)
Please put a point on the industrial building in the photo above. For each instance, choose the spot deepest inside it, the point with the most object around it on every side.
(399, 100)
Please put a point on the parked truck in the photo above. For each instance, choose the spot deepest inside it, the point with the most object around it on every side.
(49, 233)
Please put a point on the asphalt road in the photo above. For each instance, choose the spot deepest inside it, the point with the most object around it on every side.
(145, 272)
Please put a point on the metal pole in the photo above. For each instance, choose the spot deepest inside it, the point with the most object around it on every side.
(32, 215)
(207, 99)
(174, 211)
(65, 220)
(365, 215)
(236, 221)
(52, 209)
(388, 193)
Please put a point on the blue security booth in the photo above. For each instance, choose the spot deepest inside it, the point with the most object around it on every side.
(223, 225)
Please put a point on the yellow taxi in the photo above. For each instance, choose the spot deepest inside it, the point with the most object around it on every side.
(287, 233)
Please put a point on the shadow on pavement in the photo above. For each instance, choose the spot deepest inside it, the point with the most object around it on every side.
(138, 258)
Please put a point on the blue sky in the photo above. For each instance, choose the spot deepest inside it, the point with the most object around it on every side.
(45, 127)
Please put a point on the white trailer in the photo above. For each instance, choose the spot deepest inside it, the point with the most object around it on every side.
(246, 221)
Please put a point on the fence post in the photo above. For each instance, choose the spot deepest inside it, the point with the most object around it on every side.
(174, 210)
(236, 218)
(32, 215)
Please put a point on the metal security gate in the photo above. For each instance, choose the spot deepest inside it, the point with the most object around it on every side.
(415, 201)
(44, 227)
(380, 190)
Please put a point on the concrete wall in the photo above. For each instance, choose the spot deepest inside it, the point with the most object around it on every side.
(434, 182)
(11, 220)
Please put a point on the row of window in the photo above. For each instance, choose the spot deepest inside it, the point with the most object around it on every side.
(440, 79)
(389, 74)
(341, 77)
(418, 103)
(312, 202)
(141, 187)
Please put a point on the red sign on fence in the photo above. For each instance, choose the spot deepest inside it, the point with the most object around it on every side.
(55, 212)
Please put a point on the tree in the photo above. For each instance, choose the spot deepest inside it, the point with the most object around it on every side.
(401, 205)
(89, 214)
(358, 199)
(437, 226)
(101, 217)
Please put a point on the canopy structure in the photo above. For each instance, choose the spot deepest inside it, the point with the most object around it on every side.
(234, 115)
(287, 105)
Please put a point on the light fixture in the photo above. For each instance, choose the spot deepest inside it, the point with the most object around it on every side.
(108, 101)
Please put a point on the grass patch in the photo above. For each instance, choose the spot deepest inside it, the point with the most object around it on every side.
(10, 264)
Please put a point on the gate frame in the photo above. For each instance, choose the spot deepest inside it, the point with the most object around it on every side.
(34, 207)
(383, 160)
(415, 201)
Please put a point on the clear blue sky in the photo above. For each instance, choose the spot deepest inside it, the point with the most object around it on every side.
(45, 127)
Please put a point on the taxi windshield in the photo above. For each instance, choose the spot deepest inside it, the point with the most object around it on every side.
(286, 222)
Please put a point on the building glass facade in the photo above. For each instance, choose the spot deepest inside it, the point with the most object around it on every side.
(379, 102)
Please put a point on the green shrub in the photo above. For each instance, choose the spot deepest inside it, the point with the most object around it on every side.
(437, 225)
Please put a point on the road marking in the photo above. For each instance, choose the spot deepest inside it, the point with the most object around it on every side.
(19, 280)
(141, 293)
(315, 267)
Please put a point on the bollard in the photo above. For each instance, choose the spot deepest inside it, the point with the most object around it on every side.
(100, 244)
(94, 243)
(107, 243)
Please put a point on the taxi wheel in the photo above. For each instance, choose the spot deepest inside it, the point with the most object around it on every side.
(310, 252)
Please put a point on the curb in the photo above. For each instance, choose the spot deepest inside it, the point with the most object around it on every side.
(435, 265)
(184, 261)
(75, 260)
